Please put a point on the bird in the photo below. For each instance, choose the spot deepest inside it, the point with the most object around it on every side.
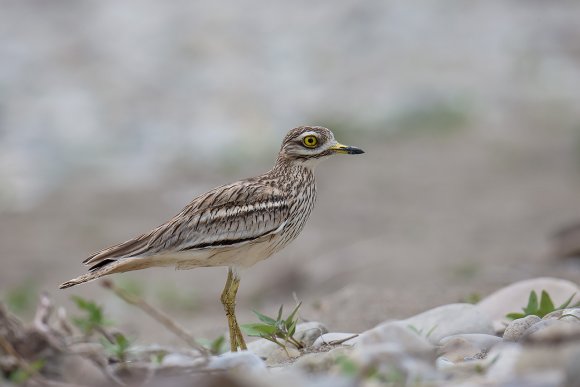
(235, 225)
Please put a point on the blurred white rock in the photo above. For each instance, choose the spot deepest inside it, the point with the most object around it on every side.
(448, 320)
(466, 346)
(308, 332)
(244, 361)
(514, 297)
(335, 338)
(515, 330)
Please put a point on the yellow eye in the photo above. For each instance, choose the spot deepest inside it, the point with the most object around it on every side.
(310, 141)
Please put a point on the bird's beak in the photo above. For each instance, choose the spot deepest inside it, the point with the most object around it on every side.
(345, 149)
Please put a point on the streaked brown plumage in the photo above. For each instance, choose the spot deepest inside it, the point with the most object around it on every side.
(235, 225)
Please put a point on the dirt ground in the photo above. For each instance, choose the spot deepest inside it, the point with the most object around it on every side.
(418, 221)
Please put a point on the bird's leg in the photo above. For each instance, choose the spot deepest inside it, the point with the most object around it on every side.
(234, 290)
(229, 302)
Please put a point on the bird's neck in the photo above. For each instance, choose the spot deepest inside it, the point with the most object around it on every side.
(292, 168)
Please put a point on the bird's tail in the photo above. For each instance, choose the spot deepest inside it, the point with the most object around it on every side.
(119, 266)
(81, 279)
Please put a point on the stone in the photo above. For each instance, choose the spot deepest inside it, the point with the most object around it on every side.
(389, 358)
(448, 320)
(463, 347)
(514, 297)
(530, 364)
(399, 335)
(515, 330)
(443, 363)
(502, 362)
(552, 332)
(572, 369)
(569, 314)
(336, 338)
(243, 361)
(262, 347)
(321, 362)
(280, 356)
(308, 332)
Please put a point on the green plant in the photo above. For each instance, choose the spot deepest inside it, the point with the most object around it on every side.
(276, 329)
(216, 346)
(388, 376)
(22, 298)
(118, 347)
(541, 308)
(22, 374)
(420, 331)
(472, 298)
(94, 319)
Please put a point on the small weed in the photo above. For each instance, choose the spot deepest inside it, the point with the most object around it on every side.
(472, 298)
(22, 374)
(94, 319)
(118, 348)
(420, 331)
(350, 368)
(216, 346)
(541, 308)
(276, 329)
(22, 298)
(157, 358)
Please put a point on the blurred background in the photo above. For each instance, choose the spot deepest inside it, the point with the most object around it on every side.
(113, 115)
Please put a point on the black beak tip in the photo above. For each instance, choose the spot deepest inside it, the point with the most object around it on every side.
(355, 151)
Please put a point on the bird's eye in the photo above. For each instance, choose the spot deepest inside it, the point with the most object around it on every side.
(310, 141)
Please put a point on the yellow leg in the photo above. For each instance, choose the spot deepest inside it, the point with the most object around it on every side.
(229, 302)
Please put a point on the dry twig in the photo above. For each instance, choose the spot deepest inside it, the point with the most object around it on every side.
(157, 315)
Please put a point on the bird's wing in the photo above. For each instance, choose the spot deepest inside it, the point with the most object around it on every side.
(225, 216)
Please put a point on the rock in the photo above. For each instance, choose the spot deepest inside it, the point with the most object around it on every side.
(569, 314)
(244, 360)
(180, 360)
(573, 369)
(552, 332)
(390, 358)
(321, 362)
(399, 335)
(502, 361)
(443, 363)
(336, 338)
(515, 330)
(463, 347)
(308, 332)
(519, 364)
(279, 355)
(515, 296)
(78, 370)
(262, 347)
(448, 320)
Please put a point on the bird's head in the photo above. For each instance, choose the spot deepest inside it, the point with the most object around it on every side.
(310, 144)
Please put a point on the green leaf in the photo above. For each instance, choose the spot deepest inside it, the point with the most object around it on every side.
(118, 348)
(292, 329)
(258, 329)
(20, 375)
(515, 316)
(280, 313)
(217, 346)
(532, 307)
(291, 317)
(347, 366)
(265, 319)
(568, 302)
(546, 304)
